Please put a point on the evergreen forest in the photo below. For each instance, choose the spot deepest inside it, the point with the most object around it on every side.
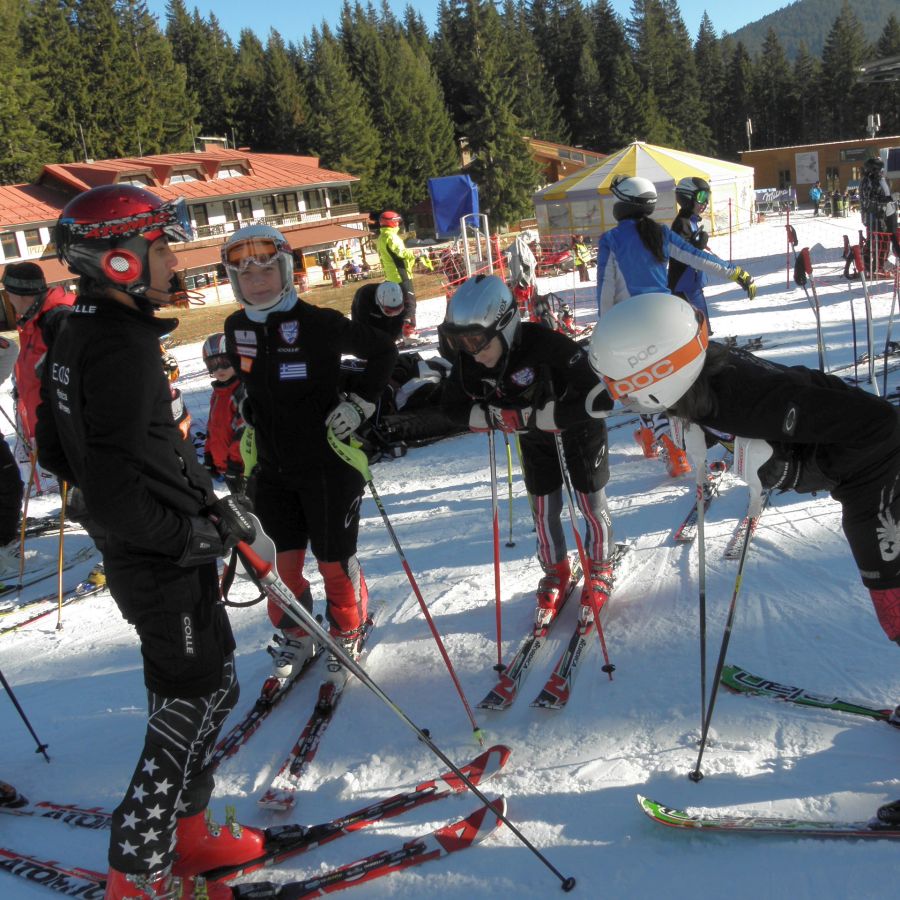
(379, 96)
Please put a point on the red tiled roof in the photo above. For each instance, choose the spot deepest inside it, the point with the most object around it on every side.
(321, 234)
(30, 204)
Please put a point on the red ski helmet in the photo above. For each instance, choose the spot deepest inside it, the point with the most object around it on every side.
(105, 234)
(390, 219)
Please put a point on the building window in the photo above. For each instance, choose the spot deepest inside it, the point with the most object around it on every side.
(339, 196)
(181, 177)
(245, 208)
(784, 178)
(312, 200)
(268, 204)
(230, 172)
(287, 203)
(10, 247)
(231, 210)
(199, 214)
(32, 238)
(832, 176)
(140, 180)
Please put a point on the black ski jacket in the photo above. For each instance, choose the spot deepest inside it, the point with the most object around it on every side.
(365, 310)
(106, 424)
(291, 366)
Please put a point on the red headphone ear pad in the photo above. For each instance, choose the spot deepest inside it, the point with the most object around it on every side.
(120, 266)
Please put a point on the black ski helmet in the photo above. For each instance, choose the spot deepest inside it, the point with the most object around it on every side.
(692, 190)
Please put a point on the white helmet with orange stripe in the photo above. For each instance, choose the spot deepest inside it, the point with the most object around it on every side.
(649, 350)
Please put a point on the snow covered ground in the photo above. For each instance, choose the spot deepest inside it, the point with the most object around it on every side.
(803, 618)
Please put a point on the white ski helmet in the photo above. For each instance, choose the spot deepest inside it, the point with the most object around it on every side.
(649, 350)
(261, 245)
(636, 197)
(389, 298)
(481, 309)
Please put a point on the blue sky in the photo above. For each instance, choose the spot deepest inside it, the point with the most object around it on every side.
(294, 21)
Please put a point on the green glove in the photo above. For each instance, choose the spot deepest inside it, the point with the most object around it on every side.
(745, 280)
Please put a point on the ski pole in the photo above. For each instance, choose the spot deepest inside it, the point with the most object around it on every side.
(820, 340)
(31, 478)
(870, 340)
(608, 667)
(697, 775)
(887, 337)
(64, 493)
(509, 479)
(495, 516)
(355, 457)
(41, 748)
(266, 578)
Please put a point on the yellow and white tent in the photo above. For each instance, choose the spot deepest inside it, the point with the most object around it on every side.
(582, 203)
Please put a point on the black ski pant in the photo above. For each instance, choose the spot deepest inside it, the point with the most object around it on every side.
(172, 779)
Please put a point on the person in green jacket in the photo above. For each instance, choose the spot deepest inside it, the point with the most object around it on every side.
(398, 263)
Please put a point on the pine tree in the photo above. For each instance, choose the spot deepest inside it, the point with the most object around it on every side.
(566, 32)
(23, 148)
(771, 95)
(738, 78)
(884, 98)
(285, 114)
(710, 68)
(845, 50)
(249, 85)
(536, 104)
(805, 98)
(344, 136)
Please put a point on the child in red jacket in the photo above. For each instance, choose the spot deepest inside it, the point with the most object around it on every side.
(222, 452)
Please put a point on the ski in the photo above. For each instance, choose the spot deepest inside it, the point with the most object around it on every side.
(93, 584)
(273, 691)
(460, 835)
(740, 681)
(47, 569)
(65, 880)
(736, 541)
(677, 818)
(280, 794)
(558, 687)
(283, 842)
(505, 691)
(687, 530)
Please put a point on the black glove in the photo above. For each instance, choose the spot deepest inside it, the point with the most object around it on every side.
(229, 516)
(700, 239)
(203, 544)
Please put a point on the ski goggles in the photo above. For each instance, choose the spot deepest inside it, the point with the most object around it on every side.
(471, 339)
(622, 388)
(256, 251)
(215, 363)
(702, 197)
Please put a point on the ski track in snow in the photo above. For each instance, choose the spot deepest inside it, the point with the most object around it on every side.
(802, 618)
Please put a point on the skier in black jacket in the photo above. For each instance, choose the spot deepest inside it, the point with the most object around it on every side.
(522, 377)
(288, 354)
(794, 428)
(381, 306)
(107, 424)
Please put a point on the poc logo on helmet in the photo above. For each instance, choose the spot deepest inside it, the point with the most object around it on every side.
(644, 378)
(641, 356)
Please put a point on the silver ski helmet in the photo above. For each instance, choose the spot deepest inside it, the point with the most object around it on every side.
(635, 196)
(481, 309)
(692, 190)
(389, 298)
(260, 245)
(649, 350)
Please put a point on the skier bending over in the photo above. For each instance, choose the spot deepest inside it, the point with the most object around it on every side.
(521, 377)
(794, 429)
(633, 260)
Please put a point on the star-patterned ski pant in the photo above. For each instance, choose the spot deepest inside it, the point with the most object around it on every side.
(172, 778)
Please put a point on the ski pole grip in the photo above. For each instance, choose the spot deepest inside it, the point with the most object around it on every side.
(248, 555)
(857, 257)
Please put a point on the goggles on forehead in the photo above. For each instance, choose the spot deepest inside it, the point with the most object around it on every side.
(471, 339)
(257, 251)
(702, 197)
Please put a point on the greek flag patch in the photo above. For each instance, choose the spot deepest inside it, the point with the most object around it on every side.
(292, 371)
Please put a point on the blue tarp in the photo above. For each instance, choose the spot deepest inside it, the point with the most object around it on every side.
(452, 197)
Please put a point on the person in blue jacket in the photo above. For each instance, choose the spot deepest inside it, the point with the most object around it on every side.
(692, 195)
(633, 259)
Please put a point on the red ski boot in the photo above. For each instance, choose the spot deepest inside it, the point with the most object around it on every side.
(601, 583)
(647, 442)
(201, 844)
(550, 592)
(162, 886)
(676, 459)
